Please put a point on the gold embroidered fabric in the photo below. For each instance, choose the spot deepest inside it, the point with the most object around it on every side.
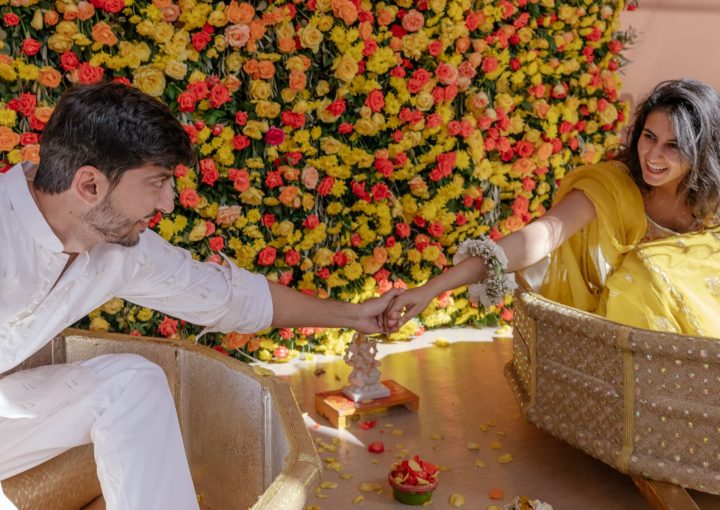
(631, 270)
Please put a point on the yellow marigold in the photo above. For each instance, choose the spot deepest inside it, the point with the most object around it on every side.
(8, 117)
(7, 72)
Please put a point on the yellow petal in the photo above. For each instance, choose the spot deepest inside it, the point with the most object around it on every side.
(495, 445)
(358, 499)
(368, 486)
(473, 446)
(505, 458)
(328, 485)
(479, 463)
(345, 476)
(436, 437)
(457, 500)
(442, 342)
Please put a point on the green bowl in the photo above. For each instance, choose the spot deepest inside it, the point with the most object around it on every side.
(412, 494)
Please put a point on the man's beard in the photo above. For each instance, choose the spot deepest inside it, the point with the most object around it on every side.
(113, 226)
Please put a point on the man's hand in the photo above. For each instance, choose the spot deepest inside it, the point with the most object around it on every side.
(370, 313)
(406, 306)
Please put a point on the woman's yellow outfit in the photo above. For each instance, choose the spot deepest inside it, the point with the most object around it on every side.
(630, 270)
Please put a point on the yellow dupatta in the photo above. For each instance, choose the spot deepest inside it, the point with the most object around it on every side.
(669, 284)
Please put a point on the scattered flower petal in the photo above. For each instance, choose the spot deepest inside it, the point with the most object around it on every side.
(457, 500)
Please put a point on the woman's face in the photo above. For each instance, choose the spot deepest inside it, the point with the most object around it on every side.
(663, 165)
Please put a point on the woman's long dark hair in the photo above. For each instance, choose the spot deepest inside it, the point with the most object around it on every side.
(694, 110)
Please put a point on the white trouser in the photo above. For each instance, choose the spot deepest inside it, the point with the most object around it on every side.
(119, 402)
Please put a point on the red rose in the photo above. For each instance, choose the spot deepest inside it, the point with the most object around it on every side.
(266, 256)
(274, 136)
(30, 46)
(268, 219)
(114, 6)
(293, 119)
(241, 118)
(489, 64)
(281, 352)
(240, 179)
(189, 198)
(28, 138)
(240, 142)
(25, 103)
(326, 186)
(311, 222)
(274, 179)
(436, 229)
(323, 273)
(375, 100)
(90, 74)
(199, 90)
(337, 107)
(340, 259)
(186, 102)
(402, 230)
(168, 327)
(219, 95)
(209, 171)
(11, 19)
(380, 191)
(345, 128)
(292, 257)
(200, 40)
(69, 61)
(217, 243)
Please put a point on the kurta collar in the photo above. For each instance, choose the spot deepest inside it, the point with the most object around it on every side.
(30, 217)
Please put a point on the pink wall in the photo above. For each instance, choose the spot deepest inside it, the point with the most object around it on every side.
(676, 39)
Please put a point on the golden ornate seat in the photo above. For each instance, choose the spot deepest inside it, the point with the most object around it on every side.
(245, 438)
(644, 402)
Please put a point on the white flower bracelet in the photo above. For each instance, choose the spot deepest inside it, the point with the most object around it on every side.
(498, 284)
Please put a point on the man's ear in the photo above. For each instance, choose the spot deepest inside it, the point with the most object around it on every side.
(90, 185)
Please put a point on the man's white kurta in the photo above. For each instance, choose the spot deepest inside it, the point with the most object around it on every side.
(36, 303)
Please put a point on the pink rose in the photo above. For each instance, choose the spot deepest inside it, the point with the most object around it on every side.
(309, 177)
(413, 21)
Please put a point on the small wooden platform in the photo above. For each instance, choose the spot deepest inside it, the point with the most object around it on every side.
(337, 407)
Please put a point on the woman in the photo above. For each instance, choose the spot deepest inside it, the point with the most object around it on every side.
(636, 239)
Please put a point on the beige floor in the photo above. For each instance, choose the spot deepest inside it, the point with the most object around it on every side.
(461, 391)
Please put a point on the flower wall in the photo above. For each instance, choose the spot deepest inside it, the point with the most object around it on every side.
(345, 146)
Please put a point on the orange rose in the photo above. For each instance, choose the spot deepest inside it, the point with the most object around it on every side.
(103, 34)
(42, 113)
(257, 29)
(31, 153)
(235, 340)
(309, 177)
(232, 83)
(286, 45)
(345, 10)
(447, 73)
(386, 17)
(462, 45)
(289, 196)
(6, 59)
(240, 13)
(298, 80)
(161, 4)
(51, 18)
(85, 10)
(227, 214)
(366, 30)
(8, 138)
(266, 69)
(171, 13)
(49, 77)
(237, 35)
(71, 12)
(413, 21)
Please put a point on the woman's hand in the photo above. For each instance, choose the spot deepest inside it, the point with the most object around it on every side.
(406, 306)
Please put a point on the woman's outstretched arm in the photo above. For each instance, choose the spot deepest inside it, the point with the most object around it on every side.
(523, 248)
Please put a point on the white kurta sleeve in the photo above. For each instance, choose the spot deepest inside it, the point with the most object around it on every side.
(222, 298)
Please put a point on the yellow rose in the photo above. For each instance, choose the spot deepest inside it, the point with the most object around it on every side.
(150, 80)
(424, 101)
(311, 37)
(176, 70)
(330, 145)
(113, 306)
(234, 62)
(144, 315)
(217, 19)
(60, 43)
(99, 324)
(267, 109)
(346, 67)
(260, 89)
(67, 28)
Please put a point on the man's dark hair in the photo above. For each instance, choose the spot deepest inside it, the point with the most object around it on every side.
(694, 108)
(112, 127)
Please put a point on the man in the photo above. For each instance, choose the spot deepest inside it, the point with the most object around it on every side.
(73, 236)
